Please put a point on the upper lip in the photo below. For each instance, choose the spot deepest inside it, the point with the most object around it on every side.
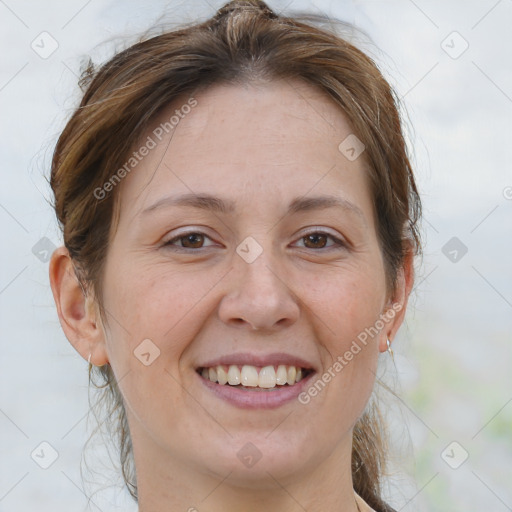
(243, 358)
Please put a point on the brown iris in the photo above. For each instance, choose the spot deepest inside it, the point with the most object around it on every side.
(195, 239)
(315, 237)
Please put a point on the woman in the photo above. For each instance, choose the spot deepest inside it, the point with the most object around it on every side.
(240, 223)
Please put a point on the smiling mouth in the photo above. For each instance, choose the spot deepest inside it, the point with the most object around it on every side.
(255, 378)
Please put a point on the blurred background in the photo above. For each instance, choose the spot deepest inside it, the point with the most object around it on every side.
(451, 425)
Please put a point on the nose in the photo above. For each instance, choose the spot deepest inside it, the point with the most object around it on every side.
(259, 296)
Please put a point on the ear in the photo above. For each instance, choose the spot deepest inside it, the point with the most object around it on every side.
(78, 313)
(397, 304)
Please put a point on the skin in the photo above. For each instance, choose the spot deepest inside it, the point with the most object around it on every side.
(260, 145)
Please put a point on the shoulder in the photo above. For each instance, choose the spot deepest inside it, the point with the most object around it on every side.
(364, 507)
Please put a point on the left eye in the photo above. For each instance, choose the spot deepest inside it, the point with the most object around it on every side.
(194, 240)
(320, 237)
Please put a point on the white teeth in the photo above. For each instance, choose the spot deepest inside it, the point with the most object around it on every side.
(233, 375)
(249, 376)
(267, 377)
(281, 375)
(222, 376)
(290, 378)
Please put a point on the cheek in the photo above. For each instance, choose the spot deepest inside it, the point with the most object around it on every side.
(348, 307)
(162, 305)
(361, 303)
(151, 315)
(348, 300)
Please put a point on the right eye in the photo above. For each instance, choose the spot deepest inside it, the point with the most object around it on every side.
(191, 240)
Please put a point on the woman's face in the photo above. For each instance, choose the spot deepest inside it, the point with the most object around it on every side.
(264, 272)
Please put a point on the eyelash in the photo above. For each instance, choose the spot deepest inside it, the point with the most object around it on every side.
(339, 244)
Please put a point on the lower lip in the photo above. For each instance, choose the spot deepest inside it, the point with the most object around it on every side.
(248, 399)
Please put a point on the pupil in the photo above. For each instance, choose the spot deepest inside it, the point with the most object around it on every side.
(190, 239)
(315, 238)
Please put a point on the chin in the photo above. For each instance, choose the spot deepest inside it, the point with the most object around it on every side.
(257, 461)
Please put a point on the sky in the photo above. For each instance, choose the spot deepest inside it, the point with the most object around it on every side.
(449, 62)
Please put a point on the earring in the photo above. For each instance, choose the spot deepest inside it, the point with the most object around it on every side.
(89, 359)
(390, 350)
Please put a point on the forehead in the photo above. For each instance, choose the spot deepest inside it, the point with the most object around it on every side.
(268, 139)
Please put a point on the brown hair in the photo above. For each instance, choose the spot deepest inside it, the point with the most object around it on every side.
(245, 40)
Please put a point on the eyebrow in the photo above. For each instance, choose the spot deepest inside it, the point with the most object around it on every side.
(216, 204)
